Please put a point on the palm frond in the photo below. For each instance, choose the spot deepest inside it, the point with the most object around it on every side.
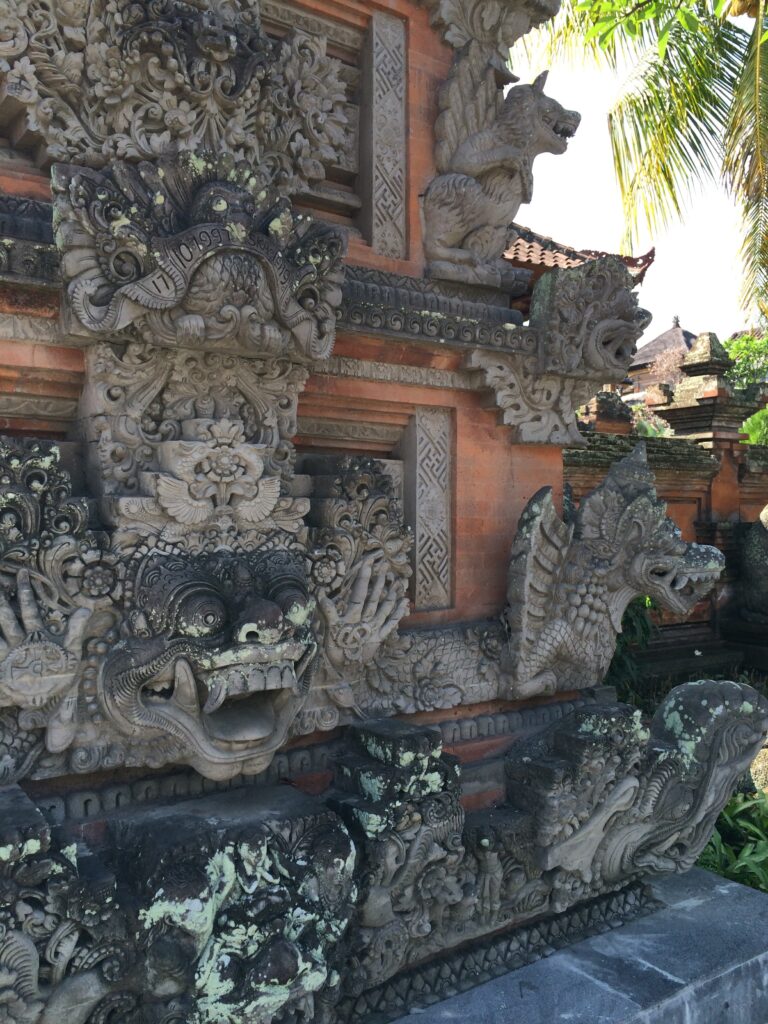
(745, 163)
(668, 125)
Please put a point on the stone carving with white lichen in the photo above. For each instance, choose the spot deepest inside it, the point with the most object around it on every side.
(569, 582)
(753, 585)
(192, 251)
(137, 652)
(486, 143)
(217, 923)
(594, 803)
(139, 79)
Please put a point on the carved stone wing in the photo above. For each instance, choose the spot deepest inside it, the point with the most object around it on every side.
(539, 553)
(175, 499)
(255, 510)
(470, 101)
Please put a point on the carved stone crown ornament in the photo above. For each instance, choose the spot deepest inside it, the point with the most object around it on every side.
(216, 596)
(142, 79)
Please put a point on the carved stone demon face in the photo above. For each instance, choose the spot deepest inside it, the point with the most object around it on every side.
(216, 656)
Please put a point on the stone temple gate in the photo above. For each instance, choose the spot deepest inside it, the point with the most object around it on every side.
(301, 650)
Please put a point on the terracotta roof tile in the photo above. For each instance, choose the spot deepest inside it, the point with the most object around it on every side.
(533, 250)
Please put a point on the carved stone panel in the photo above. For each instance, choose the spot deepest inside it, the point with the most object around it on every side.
(384, 137)
(427, 449)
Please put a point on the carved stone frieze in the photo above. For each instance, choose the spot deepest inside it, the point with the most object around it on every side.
(233, 921)
(189, 253)
(594, 803)
(496, 25)
(570, 580)
(138, 81)
(427, 449)
(384, 157)
(485, 144)
(269, 906)
(360, 569)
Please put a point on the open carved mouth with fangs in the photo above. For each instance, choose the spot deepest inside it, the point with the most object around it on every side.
(218, 661)
(679, 587)
(235, 702)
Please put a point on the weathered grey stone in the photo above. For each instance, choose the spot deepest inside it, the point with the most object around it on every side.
(700, 959)
(486, 143)
(570, 581)
(753, 585)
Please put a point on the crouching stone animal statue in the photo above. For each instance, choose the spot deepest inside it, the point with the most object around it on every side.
(486, 145)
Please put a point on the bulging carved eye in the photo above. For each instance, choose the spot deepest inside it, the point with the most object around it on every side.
(201, 615)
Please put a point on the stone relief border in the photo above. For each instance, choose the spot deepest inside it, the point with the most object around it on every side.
(427, 452)
(84, 803)
(384, 149)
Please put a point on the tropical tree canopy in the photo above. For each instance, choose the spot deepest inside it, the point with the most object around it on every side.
(694, 107)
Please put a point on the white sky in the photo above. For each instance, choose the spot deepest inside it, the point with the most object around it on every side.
(696, 274)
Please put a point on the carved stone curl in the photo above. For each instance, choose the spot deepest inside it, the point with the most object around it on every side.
(139, 80)
(193, 252)
(496, 24)
(584, 324)
(486, 143)
(570, 581)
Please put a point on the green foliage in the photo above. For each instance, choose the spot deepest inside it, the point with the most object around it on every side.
(646, 423)
(738, 849)
(750, 352)
(756, 428)
(694, 108)
(636, 629)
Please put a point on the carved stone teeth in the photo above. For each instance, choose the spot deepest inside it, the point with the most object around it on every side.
(185, 687)
(679, 582)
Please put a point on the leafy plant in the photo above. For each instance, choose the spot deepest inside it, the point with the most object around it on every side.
(624, 670)
(738, 849)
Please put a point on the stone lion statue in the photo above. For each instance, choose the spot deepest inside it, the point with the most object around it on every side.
(486, 143)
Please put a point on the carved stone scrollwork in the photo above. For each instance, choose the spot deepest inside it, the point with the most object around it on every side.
(584, 324)
(497, 24)
(142, 80)
(570, 581)
(360, 570)
(191, 252)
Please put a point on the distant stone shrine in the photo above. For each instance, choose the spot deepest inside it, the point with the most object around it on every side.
(286, 732)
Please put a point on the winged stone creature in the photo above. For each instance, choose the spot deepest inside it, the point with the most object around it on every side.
(570, 580)
(486, 143)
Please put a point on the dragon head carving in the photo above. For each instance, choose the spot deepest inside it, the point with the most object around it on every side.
(570, 582)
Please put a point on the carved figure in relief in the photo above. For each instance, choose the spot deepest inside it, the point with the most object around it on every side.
(753, 589)
(216, 655)
(569, 582)
(486, 143)
(195, 253)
